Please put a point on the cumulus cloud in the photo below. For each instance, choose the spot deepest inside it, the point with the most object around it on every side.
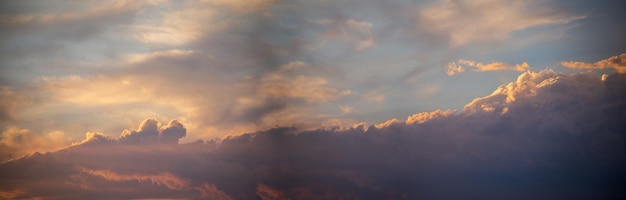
(617, 63)
(151, 132)
(547, 135)
(93, 138)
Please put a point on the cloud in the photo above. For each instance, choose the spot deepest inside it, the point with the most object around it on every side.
(312, 89)
(177, 27)
(92, 138)
(16, 142)
(208, 63)
(359, 32)
(10, 102)
(486, 20)
(547, 135)
(150, 132)
(456, 68)
(617, 63)
(170, 181)
(62, 29)
(423, 117)
(243, 5)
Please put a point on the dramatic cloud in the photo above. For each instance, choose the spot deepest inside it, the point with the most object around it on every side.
(617, 63)
(226, 67)
(272, 99)
(547, 135)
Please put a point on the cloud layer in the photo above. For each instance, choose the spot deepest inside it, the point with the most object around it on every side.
(88, 91)
(218, 65)
(547, 135)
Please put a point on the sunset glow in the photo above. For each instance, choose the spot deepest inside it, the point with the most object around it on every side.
(312, 99)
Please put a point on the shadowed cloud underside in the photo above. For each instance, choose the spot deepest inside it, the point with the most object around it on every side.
(547, 135)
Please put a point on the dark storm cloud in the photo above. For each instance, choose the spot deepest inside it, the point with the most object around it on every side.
(545, 136)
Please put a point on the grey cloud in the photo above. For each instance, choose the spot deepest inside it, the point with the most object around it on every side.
(150, 132)
(231, 47)
(58, 33)
(546, 136)
(172, 132)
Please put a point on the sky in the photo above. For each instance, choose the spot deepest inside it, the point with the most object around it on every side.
(301, 99)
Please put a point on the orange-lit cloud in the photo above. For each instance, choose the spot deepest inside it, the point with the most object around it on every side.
(617, 63)
(10, 103)
(456, 68)
(16, 142)
(168, 180)
(427, 116)
(542, 122)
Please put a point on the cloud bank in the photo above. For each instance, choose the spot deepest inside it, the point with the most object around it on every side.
(547, 135)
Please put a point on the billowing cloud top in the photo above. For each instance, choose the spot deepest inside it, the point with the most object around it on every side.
(547, 135)
(150, 133)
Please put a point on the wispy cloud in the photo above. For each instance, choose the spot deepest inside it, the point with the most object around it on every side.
(617, 63)
(487, 20)
(268, 99)
(454, 68)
